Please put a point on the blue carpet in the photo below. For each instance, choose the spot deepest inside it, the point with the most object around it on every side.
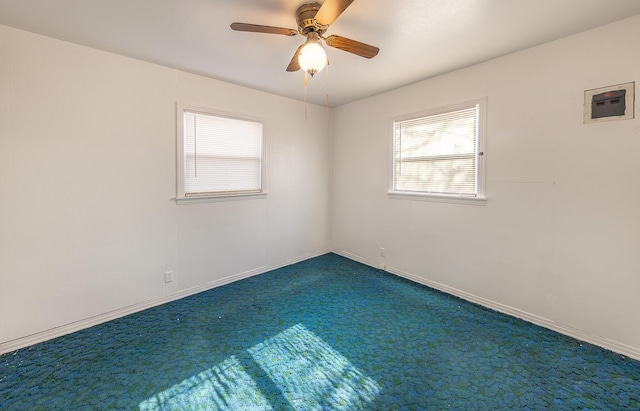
(324, 334)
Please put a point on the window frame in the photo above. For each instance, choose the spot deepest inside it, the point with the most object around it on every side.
(181, 196)
(480, 197)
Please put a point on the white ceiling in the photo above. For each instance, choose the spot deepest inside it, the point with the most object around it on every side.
(418, 39)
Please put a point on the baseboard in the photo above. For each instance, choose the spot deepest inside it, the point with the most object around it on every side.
(605, 343)
(29, 340)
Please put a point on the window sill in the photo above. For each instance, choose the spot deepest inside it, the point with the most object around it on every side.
(218, 198)
(438, 198)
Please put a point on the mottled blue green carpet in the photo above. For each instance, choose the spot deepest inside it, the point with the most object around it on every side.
(324, 334)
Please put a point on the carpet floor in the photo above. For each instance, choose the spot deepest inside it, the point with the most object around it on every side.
(324, 334)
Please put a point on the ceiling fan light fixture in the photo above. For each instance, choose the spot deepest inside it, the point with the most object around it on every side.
(314, 18)
(312, 57)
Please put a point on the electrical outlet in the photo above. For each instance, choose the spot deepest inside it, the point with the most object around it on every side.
(168, 276)
(381, 251)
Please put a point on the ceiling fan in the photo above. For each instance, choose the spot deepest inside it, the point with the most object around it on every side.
(313, 20)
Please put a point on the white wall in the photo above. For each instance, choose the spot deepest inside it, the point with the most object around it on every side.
(558, 240)
(87, 175)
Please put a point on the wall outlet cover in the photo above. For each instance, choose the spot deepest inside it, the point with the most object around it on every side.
(168, 276)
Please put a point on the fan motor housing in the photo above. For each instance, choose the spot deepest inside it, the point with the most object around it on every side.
(305, 17)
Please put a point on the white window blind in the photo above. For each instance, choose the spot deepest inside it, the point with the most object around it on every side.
(221, 155)
(438, 154)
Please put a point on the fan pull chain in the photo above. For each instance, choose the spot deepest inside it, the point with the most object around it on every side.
(306, 83)
(326, 85)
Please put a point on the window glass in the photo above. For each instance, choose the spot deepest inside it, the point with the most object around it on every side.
(438, 153)
(219, 155)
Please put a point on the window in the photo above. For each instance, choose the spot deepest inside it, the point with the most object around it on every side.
(438, 154)
(219, 155)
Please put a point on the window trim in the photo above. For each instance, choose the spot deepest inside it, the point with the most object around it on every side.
(480, 198)
(181, 197)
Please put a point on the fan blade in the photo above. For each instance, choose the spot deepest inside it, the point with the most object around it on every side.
(352, 46)
(294, 65)
(257, 28)
(330, 10)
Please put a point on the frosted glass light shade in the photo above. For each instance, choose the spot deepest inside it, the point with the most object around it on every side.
(312, 58)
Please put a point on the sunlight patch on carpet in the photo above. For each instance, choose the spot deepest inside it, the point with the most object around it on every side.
(305, 371)
(227, 386)
(311, 374)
